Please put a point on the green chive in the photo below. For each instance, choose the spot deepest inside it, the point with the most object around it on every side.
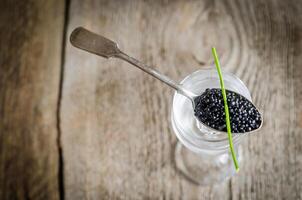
(226, 108)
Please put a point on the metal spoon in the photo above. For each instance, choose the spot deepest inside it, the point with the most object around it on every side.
(99, 45)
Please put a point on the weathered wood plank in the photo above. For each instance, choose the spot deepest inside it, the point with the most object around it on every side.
(30, 57)
(116, 133)
(270, 34)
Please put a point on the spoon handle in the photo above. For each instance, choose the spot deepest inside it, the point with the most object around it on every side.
(99, 45)
(165, 79)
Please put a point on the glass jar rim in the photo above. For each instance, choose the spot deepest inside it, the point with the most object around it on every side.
(222, 142)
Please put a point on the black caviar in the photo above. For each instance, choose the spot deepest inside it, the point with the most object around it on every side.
(209, 109)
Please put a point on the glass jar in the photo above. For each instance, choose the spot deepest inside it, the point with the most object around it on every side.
(202, 154)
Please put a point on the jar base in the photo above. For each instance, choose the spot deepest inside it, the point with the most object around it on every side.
(205, 168)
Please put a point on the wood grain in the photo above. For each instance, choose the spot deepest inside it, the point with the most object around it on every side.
(116, 132)
(30, 61)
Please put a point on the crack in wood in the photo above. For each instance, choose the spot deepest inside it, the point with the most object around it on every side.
(59, 142)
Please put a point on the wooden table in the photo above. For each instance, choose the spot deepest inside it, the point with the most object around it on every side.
(76, 126)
